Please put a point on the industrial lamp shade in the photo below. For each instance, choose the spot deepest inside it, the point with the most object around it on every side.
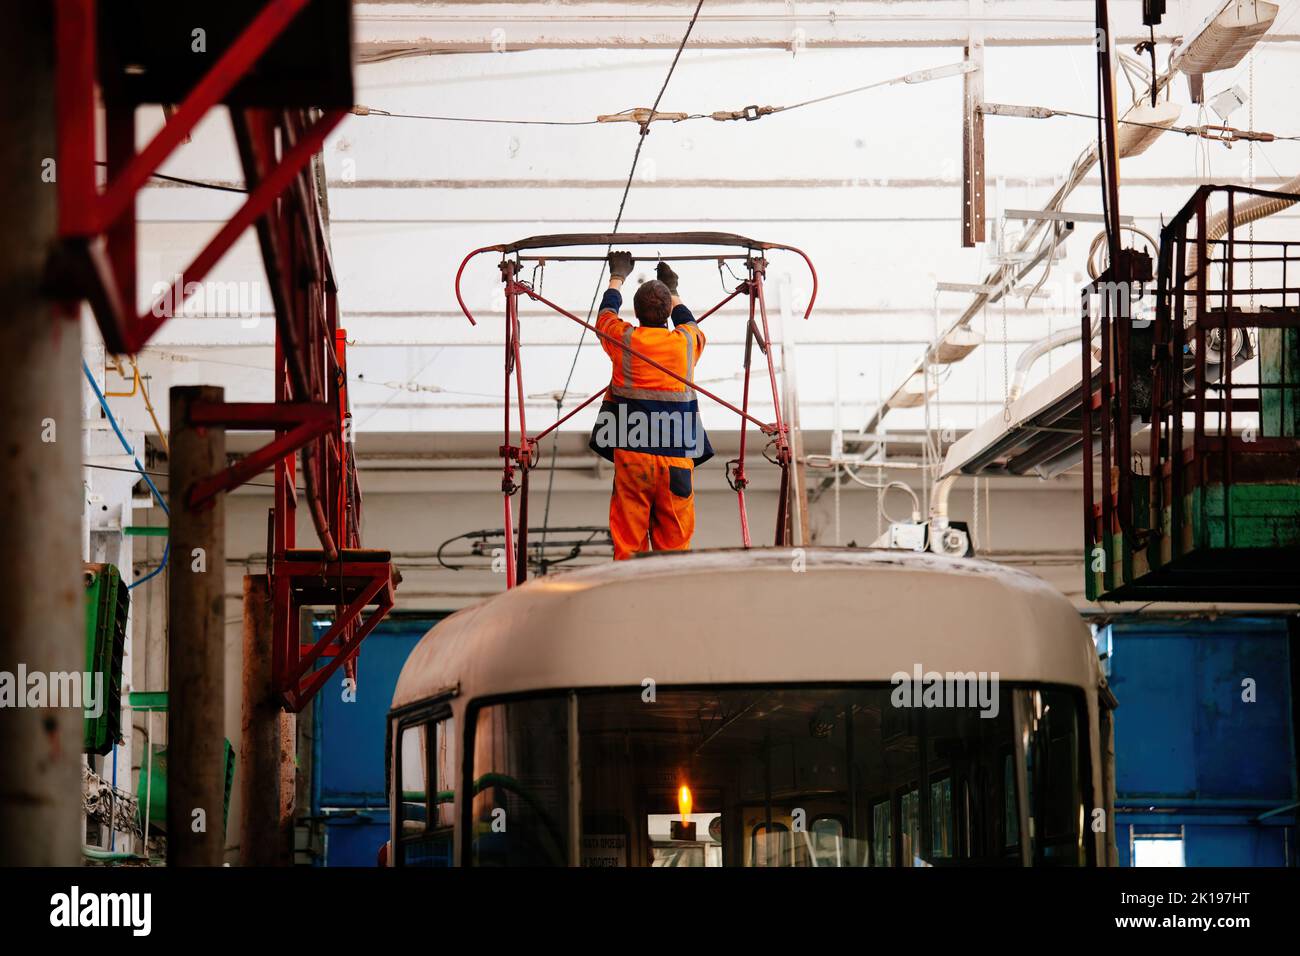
(1229, 37)
(912, 394)
(956, 345)
(1143, 125)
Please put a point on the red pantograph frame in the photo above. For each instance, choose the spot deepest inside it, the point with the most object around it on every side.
(523, 456)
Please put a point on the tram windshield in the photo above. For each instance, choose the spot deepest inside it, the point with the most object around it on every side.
(778, 776)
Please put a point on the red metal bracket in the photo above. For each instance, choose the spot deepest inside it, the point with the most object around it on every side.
(305, 421)
(96, 257)
(300, 583)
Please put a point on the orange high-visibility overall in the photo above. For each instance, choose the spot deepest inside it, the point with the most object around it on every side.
(649, 427)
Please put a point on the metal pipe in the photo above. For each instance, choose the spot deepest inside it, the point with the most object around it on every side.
(699, 258)
(1036, 351)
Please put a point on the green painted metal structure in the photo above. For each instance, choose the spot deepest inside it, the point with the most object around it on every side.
(151, 786)
(1210, 509)
(108, 604)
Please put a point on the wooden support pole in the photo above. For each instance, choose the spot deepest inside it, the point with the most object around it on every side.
(196, 783)
(263, 750)
(42, 602)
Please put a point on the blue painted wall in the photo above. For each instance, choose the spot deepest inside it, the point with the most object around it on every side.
(348, 769)
(1191, 756)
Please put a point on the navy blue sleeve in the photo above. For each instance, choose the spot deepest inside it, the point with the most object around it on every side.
(681, 314)
(612, 302)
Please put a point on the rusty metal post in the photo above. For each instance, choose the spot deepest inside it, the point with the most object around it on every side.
(972, 134)
(262, 745)
(288, 786)
(42, 602)
(196, 631)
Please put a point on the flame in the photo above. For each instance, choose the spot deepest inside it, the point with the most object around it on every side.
(684, 801)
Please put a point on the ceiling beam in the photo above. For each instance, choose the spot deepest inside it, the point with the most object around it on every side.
(386, 31)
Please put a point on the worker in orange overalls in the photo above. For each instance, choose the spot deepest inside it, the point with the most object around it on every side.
(649, 423)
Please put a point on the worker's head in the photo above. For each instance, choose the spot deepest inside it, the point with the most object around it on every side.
(652, 303)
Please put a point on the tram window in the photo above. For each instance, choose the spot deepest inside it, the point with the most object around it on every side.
(413, 809)
(769, 846)
(910, 829)
(882, 834)
(443, 792)
(1010, 819)
(426, 811)
(1057, 793)
(519, 812)
(827, 838)
(864, 772)
(941, 818)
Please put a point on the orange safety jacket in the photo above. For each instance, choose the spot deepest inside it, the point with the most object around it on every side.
(645, 410)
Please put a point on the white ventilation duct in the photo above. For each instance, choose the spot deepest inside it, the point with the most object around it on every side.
(939, 499)
(1037, 350)
(1226, 38)
(1252, 210)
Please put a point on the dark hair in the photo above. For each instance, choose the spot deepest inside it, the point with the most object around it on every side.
(652, 303)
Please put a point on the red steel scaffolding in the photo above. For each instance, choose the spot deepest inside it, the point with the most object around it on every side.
(277, 140)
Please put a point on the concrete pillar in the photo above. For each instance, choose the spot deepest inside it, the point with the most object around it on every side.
(42, 615)
(196, 640)
(267, 742)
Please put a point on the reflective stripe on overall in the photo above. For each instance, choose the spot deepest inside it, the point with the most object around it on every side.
(649, 426)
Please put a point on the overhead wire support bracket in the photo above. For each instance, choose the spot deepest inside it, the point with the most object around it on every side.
(749, 113)
(643, 116)
(521, 456)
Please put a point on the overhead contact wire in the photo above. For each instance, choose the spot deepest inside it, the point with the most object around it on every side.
(627, 188)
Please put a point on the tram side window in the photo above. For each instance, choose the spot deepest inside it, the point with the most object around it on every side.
(770, 847)
(426, 810)
(1010, 817)
(882, 834)
(941, 818)
(826, 836)
(413, 805)
(910, 828)
(1055, 780)
(519, 811)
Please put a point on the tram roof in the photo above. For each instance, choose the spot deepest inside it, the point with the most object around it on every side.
(746, 617)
